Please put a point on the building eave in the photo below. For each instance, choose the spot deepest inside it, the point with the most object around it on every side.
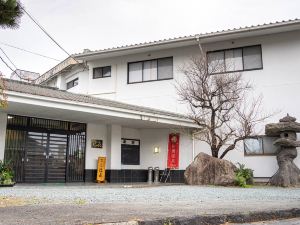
(54, 103)
(277, 27)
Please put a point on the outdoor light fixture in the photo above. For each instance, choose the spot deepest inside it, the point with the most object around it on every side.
(156, 150)
(10, 117)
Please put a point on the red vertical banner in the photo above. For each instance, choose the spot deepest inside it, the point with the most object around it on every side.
(173, 151)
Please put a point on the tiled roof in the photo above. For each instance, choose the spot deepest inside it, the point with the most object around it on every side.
(190, 37)
(39, 90)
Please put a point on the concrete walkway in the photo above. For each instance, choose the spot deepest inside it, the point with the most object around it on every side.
(88, 204)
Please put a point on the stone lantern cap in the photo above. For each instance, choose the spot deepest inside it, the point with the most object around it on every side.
(286, 124)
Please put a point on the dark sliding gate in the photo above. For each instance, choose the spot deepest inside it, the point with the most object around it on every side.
(43, 150)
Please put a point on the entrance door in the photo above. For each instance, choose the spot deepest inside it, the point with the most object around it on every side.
(56, 159)
(45, 157)
(42, 150)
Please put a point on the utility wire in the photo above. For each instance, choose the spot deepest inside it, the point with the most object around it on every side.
(6, 64)
(44, 30)
(8, 58)
(14, 71)
(24, 50)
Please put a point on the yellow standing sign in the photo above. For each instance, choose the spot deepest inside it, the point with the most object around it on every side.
(101, 169)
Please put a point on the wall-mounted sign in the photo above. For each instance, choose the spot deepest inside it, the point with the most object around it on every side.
(101, 169)
(96, 143)
(173, 151)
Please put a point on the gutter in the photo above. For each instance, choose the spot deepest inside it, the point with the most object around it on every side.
(190, 38)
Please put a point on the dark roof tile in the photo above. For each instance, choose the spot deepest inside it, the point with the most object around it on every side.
(34, 89)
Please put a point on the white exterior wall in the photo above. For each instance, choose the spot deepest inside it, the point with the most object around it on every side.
(155, 94)
(95, 131)
(3, 122)
(149, 138)
(114, 150)
(278, 82)
(280, 59)
(54, 82)
(81, 74)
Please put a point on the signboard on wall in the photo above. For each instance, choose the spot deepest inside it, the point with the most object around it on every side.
(173, 151)
(97, 143)
(101, 169)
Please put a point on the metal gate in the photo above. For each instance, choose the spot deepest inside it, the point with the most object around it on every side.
(42, 150)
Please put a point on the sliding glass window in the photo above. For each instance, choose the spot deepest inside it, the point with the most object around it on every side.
(234, 60)
(150, 70)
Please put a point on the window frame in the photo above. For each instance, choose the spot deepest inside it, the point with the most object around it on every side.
(142, 61)
(263, 150)
(101, 67)
(130, 139)
(72, 82)
(224, 59)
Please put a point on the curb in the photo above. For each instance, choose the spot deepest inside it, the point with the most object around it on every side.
(218, 219)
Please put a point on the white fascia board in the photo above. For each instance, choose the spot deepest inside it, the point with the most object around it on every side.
(193, 39)
(96, 109)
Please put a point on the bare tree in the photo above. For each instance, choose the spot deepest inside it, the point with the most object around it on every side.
(220, 104)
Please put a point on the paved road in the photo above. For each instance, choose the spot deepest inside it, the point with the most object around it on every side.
(277, 222)
(94, 204)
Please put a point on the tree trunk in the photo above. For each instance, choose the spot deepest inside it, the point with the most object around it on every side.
(214, 153)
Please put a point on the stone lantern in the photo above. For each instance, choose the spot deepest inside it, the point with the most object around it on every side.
(286, 130)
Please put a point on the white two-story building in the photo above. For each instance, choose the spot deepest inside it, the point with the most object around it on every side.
(122, 103)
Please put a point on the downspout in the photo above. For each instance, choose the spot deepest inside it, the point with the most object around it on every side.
(200, 46)
(193, 139)
(196, 132)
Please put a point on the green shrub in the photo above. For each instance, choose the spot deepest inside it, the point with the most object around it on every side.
(243, 176)
(6, 173)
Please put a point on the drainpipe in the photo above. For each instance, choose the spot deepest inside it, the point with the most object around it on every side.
(199, 44)
(193, 156)
(193, 138)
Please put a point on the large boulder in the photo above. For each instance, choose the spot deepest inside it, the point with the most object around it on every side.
(206, 169)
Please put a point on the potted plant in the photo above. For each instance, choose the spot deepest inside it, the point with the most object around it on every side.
(6, 175)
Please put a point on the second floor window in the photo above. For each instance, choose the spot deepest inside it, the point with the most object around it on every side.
(150, 70)
(72, 83)
(234, 60)
(101, 72)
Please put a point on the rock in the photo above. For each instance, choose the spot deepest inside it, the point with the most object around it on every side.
(206, 169)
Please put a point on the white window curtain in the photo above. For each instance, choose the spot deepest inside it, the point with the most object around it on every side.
(269, 147)
(216, 62)
(234, 60)
(106, 71)
(150, 70)
(252, 57)
(165, 68)
(253, 146)
(97, 72)
(135, 72)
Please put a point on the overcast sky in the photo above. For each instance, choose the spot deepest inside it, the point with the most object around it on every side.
(98, 24)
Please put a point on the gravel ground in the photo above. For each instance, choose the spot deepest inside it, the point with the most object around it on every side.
(88, 204)
(157, 194)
